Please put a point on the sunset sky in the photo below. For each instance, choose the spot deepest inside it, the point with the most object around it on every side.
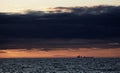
(60, 53)
(59, 28)
(21, 5)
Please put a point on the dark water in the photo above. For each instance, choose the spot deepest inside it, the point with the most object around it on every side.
(60, 65)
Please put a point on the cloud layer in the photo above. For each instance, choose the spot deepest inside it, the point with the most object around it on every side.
(101, 21)
(61, 23)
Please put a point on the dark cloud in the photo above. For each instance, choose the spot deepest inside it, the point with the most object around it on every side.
(52, 44)
(92, 23)
(95, 10)
(101, 21)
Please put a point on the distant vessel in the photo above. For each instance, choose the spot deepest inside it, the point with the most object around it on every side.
(78, 56)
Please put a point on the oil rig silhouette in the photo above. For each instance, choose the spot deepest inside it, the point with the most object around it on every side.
(83, 57)
(78, 56)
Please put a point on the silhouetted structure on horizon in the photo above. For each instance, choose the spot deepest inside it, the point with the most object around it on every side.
(78, 56)
(83, 57)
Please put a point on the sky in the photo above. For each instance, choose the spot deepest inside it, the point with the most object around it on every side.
(35, 53)
(66, 29)
(21, 5)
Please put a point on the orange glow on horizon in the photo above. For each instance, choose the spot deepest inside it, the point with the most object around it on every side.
(36, 53)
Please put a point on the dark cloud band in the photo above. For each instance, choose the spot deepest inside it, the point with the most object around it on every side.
(101, 21)
(65, 22)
